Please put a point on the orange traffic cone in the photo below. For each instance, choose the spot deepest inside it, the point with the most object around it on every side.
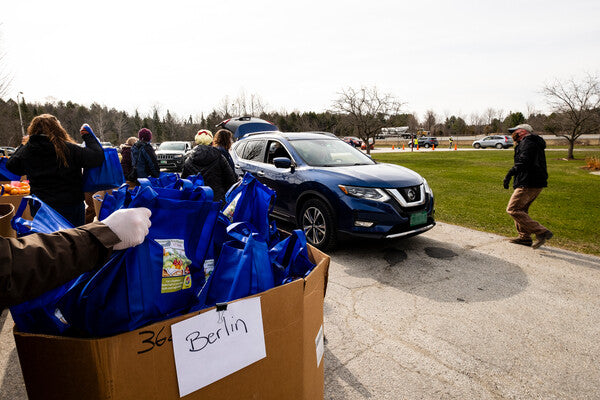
(392, 147)
(403, 146)
(433, 147)
(454, 146)
(417, 146)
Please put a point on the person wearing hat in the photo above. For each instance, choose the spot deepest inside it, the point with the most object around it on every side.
(143, 157)
(210, 164)
(530, 177)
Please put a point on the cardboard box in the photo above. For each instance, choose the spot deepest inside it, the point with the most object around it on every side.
(15, 200)
(140, 364)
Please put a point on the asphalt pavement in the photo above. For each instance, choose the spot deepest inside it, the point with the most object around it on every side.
(450, 314)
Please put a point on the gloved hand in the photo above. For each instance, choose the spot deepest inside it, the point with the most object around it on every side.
(130, 225)
(507, 181)
(85, 128)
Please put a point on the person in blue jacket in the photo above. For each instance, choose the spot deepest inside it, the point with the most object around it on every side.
(143, 157)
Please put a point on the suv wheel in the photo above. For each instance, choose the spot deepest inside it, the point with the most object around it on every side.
(316, 221)
(477, 145)
(498, 145)
(426, 145)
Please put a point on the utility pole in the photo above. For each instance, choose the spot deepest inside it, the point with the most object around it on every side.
(20, 94)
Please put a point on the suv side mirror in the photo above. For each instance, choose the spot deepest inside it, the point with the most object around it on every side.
(282, 162)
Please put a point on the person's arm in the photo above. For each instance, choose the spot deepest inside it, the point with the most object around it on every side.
(152, 162)
(92, 155)
(36, 263)
(228, 174)
(15, 163)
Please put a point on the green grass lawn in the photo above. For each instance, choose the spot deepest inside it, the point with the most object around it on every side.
(468, 191)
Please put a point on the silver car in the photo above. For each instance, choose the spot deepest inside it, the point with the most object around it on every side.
(497, 141)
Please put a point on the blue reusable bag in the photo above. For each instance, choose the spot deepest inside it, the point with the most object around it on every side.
(243, 268)
(5, 174)
(39, 315)
(108, 175)
(155, 280)
(45, 218)
(251, 202)
(290, 258)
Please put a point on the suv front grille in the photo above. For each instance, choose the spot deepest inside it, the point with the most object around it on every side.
(410, 196)
(167, 157)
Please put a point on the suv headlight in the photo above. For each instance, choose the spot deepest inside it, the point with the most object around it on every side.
(426, 187)
(365, 193)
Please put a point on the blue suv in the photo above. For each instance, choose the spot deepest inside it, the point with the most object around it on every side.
(330, 189)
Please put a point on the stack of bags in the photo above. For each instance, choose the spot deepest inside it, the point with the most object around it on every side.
(197, 253)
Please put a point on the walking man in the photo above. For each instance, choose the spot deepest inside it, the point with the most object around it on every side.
(530, 177)
(450, 140)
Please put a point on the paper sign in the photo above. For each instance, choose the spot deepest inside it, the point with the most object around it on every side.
(215, 344)
(319, 345)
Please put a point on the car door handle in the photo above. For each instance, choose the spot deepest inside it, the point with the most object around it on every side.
(260, 173)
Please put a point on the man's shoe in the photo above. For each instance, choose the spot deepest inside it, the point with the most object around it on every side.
(522, 241)
(541, 239)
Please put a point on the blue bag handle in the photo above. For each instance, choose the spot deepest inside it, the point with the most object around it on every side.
(241, 231)
(45, 220)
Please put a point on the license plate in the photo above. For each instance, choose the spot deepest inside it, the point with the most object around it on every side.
(418, 218)
(163, 162)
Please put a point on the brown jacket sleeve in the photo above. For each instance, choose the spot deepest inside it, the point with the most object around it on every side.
(34, 264)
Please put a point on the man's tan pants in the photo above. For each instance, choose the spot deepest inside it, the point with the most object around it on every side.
(518, 207)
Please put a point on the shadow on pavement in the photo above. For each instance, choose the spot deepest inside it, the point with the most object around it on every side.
(572, 258)
(336, 371)
(436, 270)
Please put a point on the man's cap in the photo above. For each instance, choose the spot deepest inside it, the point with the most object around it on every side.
(527, 127)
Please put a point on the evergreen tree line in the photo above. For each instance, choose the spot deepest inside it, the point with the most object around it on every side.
(115, 126)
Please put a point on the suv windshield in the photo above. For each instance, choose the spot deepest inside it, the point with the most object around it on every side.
(172, 146)
(329, 153)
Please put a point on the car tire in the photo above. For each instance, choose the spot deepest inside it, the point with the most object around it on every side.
(426, 145)
(499, 146)
(477, 145)
(316, 220)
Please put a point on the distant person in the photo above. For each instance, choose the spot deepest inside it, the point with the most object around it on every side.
(451, 141)
(210, 164)
(53, 163)
(39, 262)
(126, 163)
(222, 142)
(530, 177)
(143, 157)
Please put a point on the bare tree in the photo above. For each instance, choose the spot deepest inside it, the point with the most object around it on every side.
(429, 120)
(100, 120)
(5, 78)
(576, 108)
(367, 110)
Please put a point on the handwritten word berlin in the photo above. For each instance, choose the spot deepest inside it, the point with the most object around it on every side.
(198, 342)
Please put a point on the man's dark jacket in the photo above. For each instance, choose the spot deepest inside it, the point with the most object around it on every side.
(213, 167)
(529, 170)
(143, 160)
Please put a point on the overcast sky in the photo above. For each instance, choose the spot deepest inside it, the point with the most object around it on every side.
(455, 57)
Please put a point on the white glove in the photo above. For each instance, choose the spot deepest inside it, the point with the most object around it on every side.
(130, 225)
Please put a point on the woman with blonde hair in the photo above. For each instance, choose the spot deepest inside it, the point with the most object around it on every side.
(126, 162)
(53, 163)
(207, 161)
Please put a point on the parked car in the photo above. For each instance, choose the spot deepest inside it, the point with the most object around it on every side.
(363, 146)
(7, 150)
(171, 155)
(353, 141)
(242, 126)
(425, 141)
(497, 141)
(330, 189)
